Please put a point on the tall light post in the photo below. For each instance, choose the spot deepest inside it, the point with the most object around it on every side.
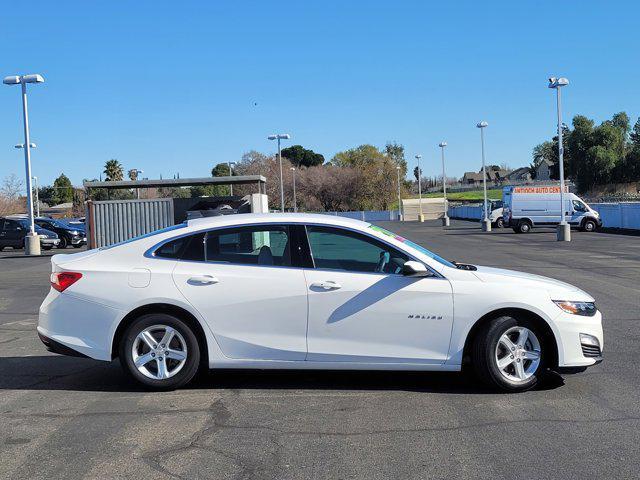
(295, 204)
(35, 180)
(445, 220)
(564, 229)
(133, 175)
(399, 199)
(420, 215)
(231, 175)
(486, 223)
(32, 242)
(278, 137)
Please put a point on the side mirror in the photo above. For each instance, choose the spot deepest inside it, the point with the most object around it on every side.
(415, 269)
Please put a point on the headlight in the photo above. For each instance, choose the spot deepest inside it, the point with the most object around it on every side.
(586, 309)
(74, 232)
(44, 236)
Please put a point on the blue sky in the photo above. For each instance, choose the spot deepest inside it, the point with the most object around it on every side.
(172, 87)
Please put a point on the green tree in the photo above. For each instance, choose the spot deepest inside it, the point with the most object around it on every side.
(302, 157)
(113, 171)
(63, 190)
(634, 136)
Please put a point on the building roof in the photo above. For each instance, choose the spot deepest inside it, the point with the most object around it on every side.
(179, 182)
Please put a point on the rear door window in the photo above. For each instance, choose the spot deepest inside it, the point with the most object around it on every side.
(264, 245)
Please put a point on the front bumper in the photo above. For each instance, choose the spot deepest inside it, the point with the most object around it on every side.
(572, 352)
(49, 241)
(78, 240)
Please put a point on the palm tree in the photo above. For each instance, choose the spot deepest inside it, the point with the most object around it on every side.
(113, 171)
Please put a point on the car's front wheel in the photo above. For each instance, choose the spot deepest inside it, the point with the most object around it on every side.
(160, 351)
(63, 243)
(508, 354)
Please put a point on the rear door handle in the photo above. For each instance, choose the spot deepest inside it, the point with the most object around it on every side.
(203, 280)
(327, 285)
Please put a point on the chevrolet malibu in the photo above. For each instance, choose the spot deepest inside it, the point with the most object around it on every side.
(298, 291)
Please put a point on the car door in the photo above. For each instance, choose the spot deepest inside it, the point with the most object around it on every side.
(249, 291)
(3, 234)
(362, 309)
(12, 233)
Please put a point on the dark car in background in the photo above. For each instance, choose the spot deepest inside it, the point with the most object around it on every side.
(73, 234)
(13, 231)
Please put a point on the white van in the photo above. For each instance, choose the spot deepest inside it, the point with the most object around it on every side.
(528, 206)
(495, 213)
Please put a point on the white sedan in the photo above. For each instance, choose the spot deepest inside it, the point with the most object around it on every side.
(301, 291)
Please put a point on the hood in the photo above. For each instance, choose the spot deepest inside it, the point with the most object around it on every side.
(557, 290)
(44, 231)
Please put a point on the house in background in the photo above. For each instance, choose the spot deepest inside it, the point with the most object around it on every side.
(519, 175)
(495, 175)
(543, 170)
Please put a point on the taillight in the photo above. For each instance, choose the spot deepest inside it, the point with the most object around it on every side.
(63, 280)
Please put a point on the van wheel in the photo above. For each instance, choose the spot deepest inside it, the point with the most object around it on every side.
(524, 226)
(500, 223)
(508, 354)
(589, 226)
(160, 351)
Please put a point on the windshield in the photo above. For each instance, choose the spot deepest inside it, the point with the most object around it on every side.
(413, 245)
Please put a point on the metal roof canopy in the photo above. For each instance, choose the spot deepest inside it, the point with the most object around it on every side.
(180, 182)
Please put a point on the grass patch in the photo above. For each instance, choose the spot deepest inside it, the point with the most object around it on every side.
(474, 195)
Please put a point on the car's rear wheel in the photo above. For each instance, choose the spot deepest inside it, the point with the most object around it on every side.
(508, 354)
(160, 351)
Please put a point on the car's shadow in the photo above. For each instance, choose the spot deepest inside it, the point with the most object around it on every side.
(53, 372)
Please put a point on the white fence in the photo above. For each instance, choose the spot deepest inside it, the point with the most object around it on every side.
(614, 215)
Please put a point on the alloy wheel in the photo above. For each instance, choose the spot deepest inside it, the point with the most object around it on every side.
(159, 352)
(518, 354)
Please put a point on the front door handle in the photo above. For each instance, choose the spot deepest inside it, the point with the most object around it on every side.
(327, 285)
(203, 280)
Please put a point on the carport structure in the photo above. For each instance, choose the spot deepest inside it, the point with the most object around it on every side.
(258, 180)
(114, 221)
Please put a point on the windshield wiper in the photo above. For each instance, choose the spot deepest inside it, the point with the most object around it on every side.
(465, 266)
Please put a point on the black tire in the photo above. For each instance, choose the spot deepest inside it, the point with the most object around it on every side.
(483, 355)
(589, 226)
(524, 226)
(500, 223)
(63, 243)
(188, 370)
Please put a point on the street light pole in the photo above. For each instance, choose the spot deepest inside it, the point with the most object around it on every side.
(231, 175)
(32, 241)
(35, 180)
(445, 220)
(564, 229)
(278, 137)
(399, 199)
(486, 223)
(295, 204)
(420, 214)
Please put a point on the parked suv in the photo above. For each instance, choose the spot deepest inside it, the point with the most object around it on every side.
(13, 231)
(73, 235)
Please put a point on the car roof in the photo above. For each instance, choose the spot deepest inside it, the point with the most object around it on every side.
(252, 218)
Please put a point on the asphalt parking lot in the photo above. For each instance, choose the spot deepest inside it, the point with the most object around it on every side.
(78, 418)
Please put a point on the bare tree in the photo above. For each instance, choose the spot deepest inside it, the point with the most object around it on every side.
(12, 186)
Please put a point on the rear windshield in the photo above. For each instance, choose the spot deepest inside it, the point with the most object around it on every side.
(147, 235)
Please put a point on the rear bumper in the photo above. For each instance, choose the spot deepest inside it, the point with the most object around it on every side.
(71, 323)
(59, 348)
